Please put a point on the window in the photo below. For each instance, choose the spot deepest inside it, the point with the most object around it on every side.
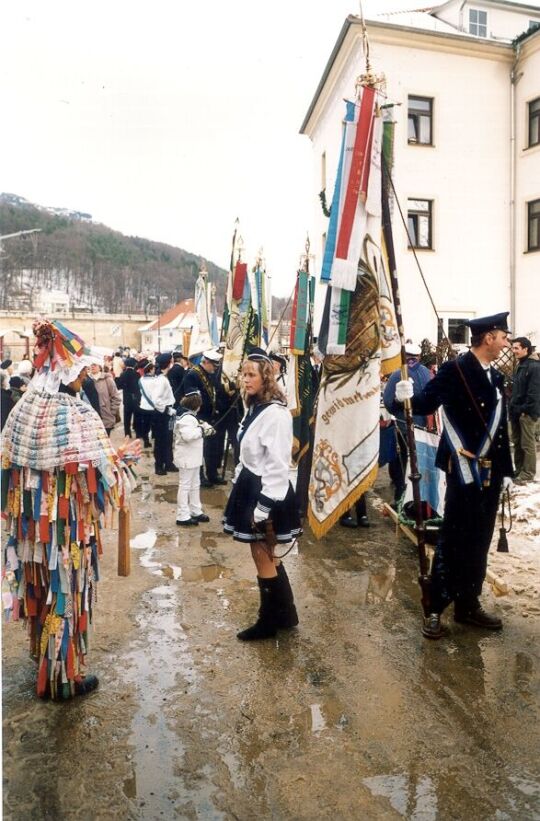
(478, 22)
(420, 120)
(534, 122)
(533, 224)
(457, 331)
(419, 223)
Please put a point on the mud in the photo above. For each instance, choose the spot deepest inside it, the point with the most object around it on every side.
(352, 715)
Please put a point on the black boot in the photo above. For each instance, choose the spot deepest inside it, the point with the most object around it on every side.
(266, 625)
(475, 614)
(286, 615)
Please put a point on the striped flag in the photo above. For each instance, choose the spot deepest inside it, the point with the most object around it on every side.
(360, 338)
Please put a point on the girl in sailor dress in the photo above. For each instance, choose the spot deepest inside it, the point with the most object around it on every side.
(188, 437)
(262, 508)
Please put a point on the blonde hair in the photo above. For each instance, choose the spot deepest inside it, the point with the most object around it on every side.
(270, 390)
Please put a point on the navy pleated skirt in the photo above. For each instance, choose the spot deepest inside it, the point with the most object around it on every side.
(238, 515)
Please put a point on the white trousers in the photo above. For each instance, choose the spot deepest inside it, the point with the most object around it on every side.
(189, 496)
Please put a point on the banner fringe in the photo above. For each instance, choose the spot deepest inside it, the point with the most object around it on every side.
(320, 529)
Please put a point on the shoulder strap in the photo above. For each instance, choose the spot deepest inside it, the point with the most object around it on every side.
(146, 395)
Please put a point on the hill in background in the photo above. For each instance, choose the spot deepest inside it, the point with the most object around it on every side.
(100, 269)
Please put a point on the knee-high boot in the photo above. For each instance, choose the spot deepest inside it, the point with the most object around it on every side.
(286, 615)
(266, 626)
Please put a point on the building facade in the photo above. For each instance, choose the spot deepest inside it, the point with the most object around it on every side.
(466, 102)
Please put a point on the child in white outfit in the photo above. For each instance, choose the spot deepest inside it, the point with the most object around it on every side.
(188, 458)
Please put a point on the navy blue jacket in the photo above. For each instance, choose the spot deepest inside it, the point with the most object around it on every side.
(197, 379)
(448, 388)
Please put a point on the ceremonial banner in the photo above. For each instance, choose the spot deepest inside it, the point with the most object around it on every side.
(361, 339)
(300, 375)
(300, 314)
(353, 188)
(201, 340)
(433, 481)
(214, 332)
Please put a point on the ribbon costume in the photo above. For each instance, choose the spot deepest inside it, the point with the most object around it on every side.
(60, 478)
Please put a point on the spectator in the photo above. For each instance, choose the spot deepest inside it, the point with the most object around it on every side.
(109, 398)
(524, 410)
(7, 403)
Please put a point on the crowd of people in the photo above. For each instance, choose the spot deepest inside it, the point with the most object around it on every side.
(189, 412)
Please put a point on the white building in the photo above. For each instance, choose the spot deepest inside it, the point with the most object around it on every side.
(170, 330)
(466, 97)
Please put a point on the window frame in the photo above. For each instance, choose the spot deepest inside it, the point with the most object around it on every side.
(530, 219)
(411, 111)
(415, 213)
(533, 117)
(458, 324)
(477, 23)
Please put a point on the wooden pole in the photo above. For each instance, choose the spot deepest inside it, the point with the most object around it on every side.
(415, 476)
(124, 555)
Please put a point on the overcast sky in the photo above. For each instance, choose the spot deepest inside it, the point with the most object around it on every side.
(170, 119)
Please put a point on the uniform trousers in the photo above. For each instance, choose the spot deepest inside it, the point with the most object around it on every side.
(130, 409)
(160, 432)
(189, 495)
(460, 561)
(211, 458)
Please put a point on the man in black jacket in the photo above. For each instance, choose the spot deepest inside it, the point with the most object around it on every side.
(474, 452)
(175, 376)
(524, 410)
(128, 383)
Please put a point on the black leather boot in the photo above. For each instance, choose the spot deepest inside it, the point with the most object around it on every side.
(476, 615)
(286, 615)
(266, 625)
(431, 627)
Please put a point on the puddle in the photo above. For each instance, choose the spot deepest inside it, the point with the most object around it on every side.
(205, 573)
(415, 799)
(158, 669)
(318, 721)
(144, 541)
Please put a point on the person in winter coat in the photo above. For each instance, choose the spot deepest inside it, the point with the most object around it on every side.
(262, 510)
(109, 398)
(188, 435)
(524, 410)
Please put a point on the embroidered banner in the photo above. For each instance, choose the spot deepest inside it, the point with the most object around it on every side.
(358, 352)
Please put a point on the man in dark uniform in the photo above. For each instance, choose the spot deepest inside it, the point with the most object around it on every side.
(176, 378)
(128, 383)
(202, 378)
(474, 452)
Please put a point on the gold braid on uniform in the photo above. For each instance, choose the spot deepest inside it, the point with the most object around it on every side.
(209, 388)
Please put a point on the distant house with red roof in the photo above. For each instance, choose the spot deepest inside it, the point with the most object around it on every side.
(168, 332)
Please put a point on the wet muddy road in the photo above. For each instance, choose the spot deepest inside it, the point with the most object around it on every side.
(353, 715)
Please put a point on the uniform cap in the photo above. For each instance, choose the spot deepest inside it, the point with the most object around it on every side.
(413, 349)
(163, 359)
(258, 355)
(213, 356)
(496, 322)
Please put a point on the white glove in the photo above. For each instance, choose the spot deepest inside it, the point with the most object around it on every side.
(507, 483)
(208, 430)
(404, 390)
(259, 515)
(170, 411)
